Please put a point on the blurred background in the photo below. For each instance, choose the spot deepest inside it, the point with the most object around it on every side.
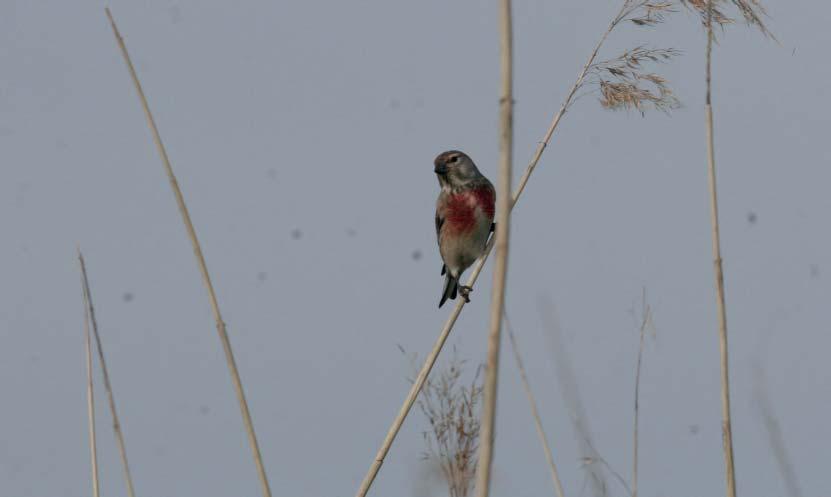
(303, 135)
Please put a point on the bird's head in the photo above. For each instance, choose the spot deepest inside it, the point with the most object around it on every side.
(455, 168)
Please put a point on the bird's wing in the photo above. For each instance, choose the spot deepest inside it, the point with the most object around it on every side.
(439, 224)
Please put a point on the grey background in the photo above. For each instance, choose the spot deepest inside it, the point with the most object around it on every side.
(303, 134)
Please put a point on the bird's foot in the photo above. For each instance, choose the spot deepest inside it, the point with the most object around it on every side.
(464, 291)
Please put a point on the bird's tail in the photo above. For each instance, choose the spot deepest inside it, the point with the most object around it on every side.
(451, 287)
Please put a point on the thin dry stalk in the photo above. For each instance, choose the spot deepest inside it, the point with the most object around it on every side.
(628, 8)
(775, 437)
(119, 436)
(726, 429)
(500, 272)
(645, 324)
(203, 267)
(532, 402)
(93, 450)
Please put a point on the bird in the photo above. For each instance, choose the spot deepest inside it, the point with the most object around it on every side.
(464, 218)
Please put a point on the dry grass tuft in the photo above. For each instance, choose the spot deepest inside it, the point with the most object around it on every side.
(452, 408)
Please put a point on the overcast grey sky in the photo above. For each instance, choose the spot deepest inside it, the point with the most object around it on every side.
(303, 135)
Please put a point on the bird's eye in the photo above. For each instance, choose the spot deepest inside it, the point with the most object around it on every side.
(454, 158)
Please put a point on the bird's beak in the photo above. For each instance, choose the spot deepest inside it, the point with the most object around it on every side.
(441, 168)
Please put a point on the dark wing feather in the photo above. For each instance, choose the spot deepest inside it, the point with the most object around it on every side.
(439, 224)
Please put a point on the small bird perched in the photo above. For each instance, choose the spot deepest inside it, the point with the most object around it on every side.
(464, 218)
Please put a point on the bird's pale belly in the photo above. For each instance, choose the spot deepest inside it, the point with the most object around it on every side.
(464, 247)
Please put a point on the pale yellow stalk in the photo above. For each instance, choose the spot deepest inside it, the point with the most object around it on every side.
(502, 235)
(203, 268)
(726, 429)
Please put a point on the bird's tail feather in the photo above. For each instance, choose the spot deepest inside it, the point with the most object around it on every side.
(451, 287)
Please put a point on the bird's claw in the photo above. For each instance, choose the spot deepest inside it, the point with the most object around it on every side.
(464, 291)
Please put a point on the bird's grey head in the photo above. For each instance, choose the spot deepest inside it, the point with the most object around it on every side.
(455, 168)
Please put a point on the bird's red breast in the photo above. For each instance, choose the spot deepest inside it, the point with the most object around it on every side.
(460, 211)
(485, 198)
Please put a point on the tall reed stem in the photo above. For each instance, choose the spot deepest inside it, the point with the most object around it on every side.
(500, 272)
(203, 267)
(726, 429)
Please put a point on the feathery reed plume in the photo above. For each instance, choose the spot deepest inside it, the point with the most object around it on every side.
(752, 12)
(119, 436)
(630, 10)
(705, 11)
(532, 402)
(93, 449)
(774, 432)
(570, 391)
(502, 236)
(624, 84)
(203, 267)
(452, 409)
(646, 323)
